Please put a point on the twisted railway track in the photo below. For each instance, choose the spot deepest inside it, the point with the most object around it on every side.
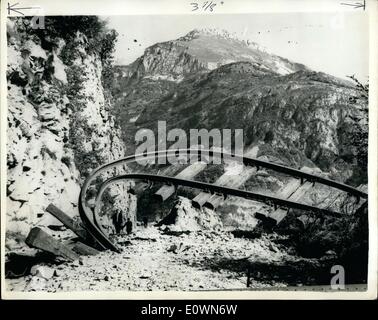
(89, 215)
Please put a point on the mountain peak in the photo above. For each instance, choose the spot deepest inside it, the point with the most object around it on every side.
(218, 33)
(207, 32)
(203, 50)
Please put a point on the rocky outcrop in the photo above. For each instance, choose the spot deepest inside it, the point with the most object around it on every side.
(200, 51)
(59, 125)
(183, 217)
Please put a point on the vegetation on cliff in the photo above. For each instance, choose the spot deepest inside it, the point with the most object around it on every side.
(59, 124)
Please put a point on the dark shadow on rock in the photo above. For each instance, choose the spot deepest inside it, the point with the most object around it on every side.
(301, 271)
(19, 264)
(175, 233)
(247, 234)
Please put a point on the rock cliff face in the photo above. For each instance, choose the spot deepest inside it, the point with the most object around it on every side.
(59, 125)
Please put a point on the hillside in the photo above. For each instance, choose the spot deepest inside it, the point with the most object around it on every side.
(208, 79)
(163, 65)
(59, 125)
(298, 117)
(305, 118)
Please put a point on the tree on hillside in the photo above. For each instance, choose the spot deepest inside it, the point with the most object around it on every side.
(363, 89)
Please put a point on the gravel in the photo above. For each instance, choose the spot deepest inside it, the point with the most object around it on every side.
(154, 261)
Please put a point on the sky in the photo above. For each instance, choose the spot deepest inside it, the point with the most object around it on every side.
(335, 43)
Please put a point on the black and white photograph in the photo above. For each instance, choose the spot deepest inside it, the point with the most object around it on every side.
(204, 152)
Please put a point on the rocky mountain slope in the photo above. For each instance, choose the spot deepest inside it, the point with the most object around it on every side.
(59, 125)
(200, 51)
(208, 79)
(163, 65)
(290, 115)
(302, 119)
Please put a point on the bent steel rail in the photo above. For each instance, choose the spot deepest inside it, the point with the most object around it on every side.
(89, 217)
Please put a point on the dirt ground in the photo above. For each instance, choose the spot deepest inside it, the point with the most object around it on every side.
(152, 260)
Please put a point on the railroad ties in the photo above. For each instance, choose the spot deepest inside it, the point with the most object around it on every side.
(142, 186)
(88, 239)
(81, 243)
(188, 173)
(228, 179)
(235, 176)
(293, 191)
